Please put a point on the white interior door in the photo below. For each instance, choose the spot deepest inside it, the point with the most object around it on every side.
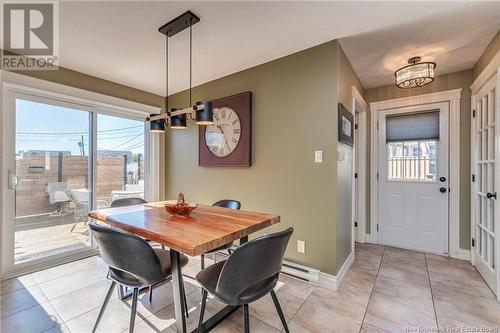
(485, 168)
(413, 177)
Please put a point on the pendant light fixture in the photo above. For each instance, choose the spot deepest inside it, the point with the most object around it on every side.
(201, 111)
(416, 74)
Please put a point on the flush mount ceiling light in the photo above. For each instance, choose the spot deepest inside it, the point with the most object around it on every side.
(416, 74)
(201, 111)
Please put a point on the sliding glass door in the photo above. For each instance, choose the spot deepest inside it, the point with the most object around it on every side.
(60, 160)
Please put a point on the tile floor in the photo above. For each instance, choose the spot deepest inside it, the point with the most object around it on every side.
(386, 290)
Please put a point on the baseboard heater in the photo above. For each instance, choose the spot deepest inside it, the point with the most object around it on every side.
(298, 271)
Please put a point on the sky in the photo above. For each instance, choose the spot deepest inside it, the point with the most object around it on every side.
(47, 127)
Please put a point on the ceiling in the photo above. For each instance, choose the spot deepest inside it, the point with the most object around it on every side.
(119, 40)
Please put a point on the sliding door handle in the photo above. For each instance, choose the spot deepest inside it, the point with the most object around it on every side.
(491, 195)
(12, 181)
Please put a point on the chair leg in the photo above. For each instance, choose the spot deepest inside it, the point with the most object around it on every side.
(246, 319)
(202, 261)
(229, 251)
(103, 307)
(135, 295)
(202, 310)
(280, 312)
(163, 247)
(150, 294)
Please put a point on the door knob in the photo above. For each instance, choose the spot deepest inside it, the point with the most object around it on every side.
(442, 189)
(491, 195)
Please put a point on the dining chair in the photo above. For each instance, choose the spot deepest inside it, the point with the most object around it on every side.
(226, 203)
(127, 202)
(132, 263)
(250, 272)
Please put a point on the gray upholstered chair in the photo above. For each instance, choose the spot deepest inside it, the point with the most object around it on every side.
(226, 203)
(249, 273)
(127, 202)
(133, 263)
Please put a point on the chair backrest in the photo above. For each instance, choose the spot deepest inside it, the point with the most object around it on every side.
(127, 202)
(228, 203)
(128, 253)
(251, 263)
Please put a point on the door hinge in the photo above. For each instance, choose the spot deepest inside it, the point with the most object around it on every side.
(473, 178)
(473, 113)
(355, 224)
(377, 227)
(355, 126)
(473, 242)
(377, 125)
(377, 175)
(356, 175)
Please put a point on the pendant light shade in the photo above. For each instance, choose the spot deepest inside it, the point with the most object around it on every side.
(179, 121)
(157, 126)
(416, 74)
(204, 116)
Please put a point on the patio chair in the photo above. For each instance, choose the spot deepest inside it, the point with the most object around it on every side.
(80, 199)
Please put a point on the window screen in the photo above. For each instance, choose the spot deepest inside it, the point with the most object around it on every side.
(415, 126)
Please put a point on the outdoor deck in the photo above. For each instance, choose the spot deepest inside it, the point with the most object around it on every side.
(38, 236)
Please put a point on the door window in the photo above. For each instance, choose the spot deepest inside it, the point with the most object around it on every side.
(412, 160)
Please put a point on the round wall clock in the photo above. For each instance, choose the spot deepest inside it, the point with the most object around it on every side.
(223, 136)
(228, 141)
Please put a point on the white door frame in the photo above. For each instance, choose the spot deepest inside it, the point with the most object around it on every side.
(360, 109)
(13, 83)
(453, 98)
(488, 74)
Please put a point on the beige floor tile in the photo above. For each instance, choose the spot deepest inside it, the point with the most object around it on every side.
(358, 281)
(71, 282)
(408, 274)
(345, 302)
(473, 310)
(404, 293)
(368, 261)
(317, 319)
(164, 320)
(11, 285)
(395, 317)
(59, 329)
(82, 300)
(434, 260)
(367, 328)
(65, 269)
(264, 308)
(115, 319)
(36, 319)
(234, 323)
(21, 300)
(372, 248)
(295, 287)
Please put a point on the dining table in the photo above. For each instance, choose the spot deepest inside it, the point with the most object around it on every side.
(205, 229)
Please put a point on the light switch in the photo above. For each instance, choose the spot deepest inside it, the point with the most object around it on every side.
(318, 156)
(301, 246)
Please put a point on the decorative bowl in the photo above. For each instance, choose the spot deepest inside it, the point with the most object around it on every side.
(182, 209)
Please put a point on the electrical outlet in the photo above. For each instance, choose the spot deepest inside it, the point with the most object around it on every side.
(318, 156)
(301, 246)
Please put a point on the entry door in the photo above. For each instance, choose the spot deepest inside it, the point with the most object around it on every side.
(413, 177)
(485, 165)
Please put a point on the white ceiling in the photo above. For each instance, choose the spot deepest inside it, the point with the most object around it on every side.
(119, 41)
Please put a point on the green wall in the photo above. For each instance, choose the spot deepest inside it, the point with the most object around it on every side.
(445, 82)
(294, 114)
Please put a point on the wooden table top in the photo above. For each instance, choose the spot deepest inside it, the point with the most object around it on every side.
(207, 227)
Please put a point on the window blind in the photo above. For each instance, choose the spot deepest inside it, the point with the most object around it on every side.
(414, 126)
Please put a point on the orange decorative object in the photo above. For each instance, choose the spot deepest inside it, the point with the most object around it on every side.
(180, 207)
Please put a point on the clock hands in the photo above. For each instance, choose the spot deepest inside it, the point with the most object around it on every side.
(223, 135)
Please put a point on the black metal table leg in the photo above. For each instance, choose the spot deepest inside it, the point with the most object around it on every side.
(180, 319)
(243, 240)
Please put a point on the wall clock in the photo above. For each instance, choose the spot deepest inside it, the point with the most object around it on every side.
(228, 142)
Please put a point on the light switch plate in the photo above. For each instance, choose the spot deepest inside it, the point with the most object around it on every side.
(301, 246)
(318, 156)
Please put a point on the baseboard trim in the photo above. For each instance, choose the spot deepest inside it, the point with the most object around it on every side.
(333, 282)
(369, 239)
